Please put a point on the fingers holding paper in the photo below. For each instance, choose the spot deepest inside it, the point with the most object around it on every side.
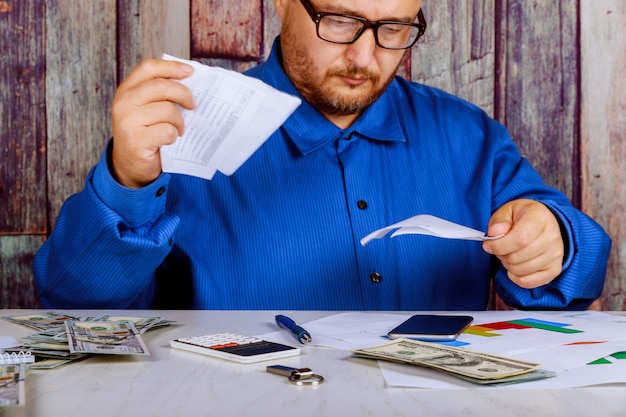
(145, 116)
(532, 250)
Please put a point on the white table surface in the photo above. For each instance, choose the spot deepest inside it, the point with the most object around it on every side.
(171, 382)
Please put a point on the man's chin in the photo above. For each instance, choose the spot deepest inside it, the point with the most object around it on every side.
(341, 99)
(345, 107)
(352, 93)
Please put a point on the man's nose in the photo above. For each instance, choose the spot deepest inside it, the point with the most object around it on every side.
(361, 52)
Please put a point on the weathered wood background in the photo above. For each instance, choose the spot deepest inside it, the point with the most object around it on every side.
(552, 72)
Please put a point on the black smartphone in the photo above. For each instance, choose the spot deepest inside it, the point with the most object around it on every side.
(432, 327)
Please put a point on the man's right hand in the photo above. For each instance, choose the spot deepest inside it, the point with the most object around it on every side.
(145, 117)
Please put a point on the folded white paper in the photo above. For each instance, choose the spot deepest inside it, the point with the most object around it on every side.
(425, 224)
(7, 342)
(234, 116)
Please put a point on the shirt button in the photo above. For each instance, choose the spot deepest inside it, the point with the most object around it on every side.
(349, 136)
(160, 192)
(375, 277)
(362, 204)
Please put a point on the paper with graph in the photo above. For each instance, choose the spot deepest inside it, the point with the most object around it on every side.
(582, 347)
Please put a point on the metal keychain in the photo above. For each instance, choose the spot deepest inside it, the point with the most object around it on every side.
(297, 376)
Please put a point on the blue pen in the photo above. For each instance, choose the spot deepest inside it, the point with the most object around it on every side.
(296, 331)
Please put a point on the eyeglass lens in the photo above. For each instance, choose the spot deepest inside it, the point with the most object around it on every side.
(345, 29)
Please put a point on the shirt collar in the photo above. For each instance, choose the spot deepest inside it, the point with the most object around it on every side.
(310, 130)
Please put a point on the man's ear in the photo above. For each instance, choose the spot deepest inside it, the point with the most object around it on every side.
(280, 6)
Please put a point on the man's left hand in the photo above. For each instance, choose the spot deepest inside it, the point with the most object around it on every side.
(532, 248)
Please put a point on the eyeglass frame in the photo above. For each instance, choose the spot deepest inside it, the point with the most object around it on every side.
(316, 17)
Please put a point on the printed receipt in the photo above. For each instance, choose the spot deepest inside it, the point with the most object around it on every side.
(425, 224)
(234, 116)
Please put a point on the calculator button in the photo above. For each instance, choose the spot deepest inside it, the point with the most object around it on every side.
(223, 345)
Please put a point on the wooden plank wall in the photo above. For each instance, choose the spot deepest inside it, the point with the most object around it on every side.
(22, 147)
(60, 64)
(552, 72)
(603, 132)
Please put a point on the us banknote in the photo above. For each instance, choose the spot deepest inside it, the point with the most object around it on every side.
(461, 362)
(104, 337)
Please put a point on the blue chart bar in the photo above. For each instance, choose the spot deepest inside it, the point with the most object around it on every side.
(546, 325)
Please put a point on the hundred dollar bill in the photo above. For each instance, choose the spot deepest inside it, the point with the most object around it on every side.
(58, 336)
(47, 346)
(108, 337)
(52, 363)
(460, 362)
(142, 324)
(40, 321)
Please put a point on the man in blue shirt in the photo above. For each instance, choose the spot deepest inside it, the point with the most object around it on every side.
(364, 150)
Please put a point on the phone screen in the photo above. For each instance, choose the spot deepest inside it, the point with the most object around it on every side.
(431, 327)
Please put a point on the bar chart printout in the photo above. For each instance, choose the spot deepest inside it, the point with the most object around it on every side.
(492, 329)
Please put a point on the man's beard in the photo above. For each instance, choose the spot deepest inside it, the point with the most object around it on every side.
(330, 101)
(321, 95)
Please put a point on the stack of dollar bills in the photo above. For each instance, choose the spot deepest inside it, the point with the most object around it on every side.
(477, 367)
(62, 338)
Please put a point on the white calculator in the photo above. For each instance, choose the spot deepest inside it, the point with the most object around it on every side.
(235, 347)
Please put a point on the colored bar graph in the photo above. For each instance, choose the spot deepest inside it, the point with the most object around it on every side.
(504, 325)
(546, 325)
(607, 359)
(491, 329)
(481, 331)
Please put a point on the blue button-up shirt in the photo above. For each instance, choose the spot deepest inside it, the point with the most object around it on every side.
(283, 231)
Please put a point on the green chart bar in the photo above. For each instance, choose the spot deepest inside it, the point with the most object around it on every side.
(543, 325)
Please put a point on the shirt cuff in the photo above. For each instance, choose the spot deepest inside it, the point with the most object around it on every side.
(136, 206)
(566, 235)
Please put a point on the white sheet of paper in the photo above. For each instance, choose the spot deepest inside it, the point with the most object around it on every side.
(600, 335)
(346, 331)
(7, 342)
(425, 224)
(234, 116)
(401, 375)
(569, 356)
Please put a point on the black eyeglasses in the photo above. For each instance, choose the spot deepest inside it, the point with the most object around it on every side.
(389, 34)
